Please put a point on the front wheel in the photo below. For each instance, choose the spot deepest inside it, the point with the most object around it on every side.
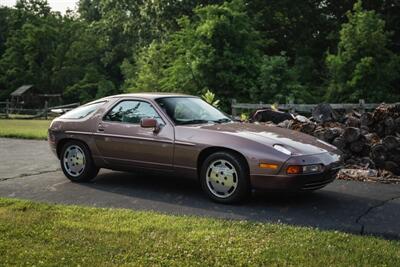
(76, 162)
(224, 178)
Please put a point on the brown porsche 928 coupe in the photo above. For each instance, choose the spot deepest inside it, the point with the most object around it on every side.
(184, 135)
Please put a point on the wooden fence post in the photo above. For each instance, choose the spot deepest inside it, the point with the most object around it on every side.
(292, 108)
(7, 108)
(233, 108)
(46, 107)
(362, 105)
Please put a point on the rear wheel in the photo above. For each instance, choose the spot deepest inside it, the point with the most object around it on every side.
(76, 162)
(224, 177)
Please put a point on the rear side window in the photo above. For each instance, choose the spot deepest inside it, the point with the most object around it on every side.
(132, 111)
(83, 111)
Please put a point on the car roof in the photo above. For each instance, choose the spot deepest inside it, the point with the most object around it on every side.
(152, 95)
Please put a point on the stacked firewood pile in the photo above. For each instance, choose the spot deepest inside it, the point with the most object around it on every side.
(369, 140)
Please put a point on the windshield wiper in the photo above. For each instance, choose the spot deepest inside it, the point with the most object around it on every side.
(193, 122)
(204, 121)
(222, 120)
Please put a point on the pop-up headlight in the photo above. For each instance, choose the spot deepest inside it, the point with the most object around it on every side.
(283, 149)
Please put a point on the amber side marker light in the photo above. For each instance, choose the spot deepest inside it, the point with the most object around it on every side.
(294, 169)
(268, 166)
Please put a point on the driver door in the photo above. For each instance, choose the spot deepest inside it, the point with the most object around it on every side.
(123, 142)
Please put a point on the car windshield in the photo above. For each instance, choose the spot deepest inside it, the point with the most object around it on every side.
(191, 110)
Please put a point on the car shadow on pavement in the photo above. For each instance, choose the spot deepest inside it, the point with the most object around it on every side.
(330, 208)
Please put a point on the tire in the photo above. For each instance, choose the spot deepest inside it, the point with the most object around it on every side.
(77, 163)
(224, 178)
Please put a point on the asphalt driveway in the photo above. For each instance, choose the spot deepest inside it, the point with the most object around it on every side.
(28, 170)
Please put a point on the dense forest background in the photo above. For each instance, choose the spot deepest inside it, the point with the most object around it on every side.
(251, 50)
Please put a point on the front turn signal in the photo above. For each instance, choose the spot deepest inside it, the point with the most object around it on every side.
(294, 169)
(268, 166)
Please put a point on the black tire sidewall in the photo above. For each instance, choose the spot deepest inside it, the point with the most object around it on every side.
(90, 170)
(242, 189)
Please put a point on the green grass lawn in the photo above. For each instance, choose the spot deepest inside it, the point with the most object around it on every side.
(42, 234)
(28, 129)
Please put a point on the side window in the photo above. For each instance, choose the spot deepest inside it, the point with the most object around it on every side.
(83, 111)
(131, 111)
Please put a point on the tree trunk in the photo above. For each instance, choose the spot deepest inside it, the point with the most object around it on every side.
(357, 146)
(351, 134)
(392, 167)
(353, 122)
(366, 119)
(266, 115)
(324, 113)
(339, 142)
(397, 125)
(372, 138)
(378, 153)
(389, 126)
(308, 128)
(391, 142)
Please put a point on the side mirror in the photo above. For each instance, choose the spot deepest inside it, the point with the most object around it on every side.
(150, 123)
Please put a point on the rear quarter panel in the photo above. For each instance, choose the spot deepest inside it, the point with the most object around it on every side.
(62, 129)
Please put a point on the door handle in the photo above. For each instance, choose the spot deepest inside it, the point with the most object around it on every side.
(100, 128)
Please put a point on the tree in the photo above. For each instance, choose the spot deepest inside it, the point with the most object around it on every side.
(364, 66)
(278, 82)
(216, 49)
(83, 73)
(5, 13)
(301, 29)
(146, 75)
(32, 39)
(249, 50)
(36, 8)
(158, 18)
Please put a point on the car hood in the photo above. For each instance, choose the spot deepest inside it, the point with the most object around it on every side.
(298, 143)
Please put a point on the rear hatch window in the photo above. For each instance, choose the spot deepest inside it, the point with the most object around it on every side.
(83, 111)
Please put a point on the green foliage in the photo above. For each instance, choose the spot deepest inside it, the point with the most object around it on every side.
(147, 74)
(92, 85)
(217, 48)
(248, 50)
(244, 116)
(105, 88)
(209, 97)
(364, 66)
(278, 82)
(58, 235)
(29, 50)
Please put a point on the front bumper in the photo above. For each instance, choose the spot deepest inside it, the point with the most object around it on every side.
(52, 142)
(301, 182)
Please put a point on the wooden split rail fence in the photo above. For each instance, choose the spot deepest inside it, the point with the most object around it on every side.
(300, 108)
(7, 111)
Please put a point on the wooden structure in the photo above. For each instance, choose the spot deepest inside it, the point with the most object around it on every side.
(23, 95)
(26, 96)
